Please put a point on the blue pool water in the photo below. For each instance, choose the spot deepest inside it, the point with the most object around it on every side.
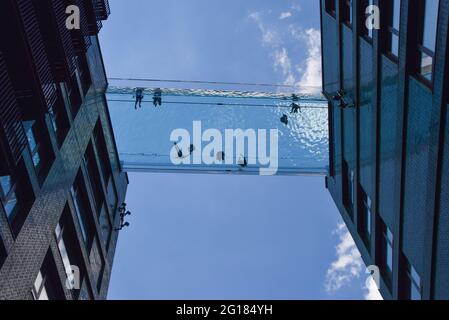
(143, 135)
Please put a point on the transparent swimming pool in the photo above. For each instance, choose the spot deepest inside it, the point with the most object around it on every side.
(143, 135)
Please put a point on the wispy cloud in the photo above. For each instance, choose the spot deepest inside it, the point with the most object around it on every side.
(296, 7)
(282, 61)
(285, 15)
(371, 291)
(269, 36)
(306, 73)
(312, 73)
(348, 266)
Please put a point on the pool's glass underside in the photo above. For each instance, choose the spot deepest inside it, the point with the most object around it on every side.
(143, 135)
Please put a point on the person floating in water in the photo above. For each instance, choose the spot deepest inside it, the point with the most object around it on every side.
(243, 162)
(157, 97)
(295, 97)
(284, 119)
(139, 98)
(295, 108)
(221, 156)
(181, 154)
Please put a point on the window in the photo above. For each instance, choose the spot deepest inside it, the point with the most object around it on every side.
(388, 240)
(393, 27)
(64, 256)
(348, 187)
(105, 226)
(414, 283)
(385, 253)
(39, 146)
(74, 95)
(112, 196)
(347, 12)
(85, 292)
(32, 143)
(39, 291)
(367, 32)
(365, 207)
(16, 195)
(69, 250)
(94, 176)
(82, 210)
(2, 252)
(59, 119)
(84, 72)
(8, 195)
(97, 262)
(330, 7)
(47, 285)
(427, 43)
(100, 146)
(410, 285)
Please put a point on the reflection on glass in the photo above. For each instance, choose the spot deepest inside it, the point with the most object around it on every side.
(396, 14)
(6, 183)
(105, 225)
(430, 23)
(65, 258)
(415, 282)
(395, 44)
(77, 202)
(10, 205)
(426, 66)
(389, 239)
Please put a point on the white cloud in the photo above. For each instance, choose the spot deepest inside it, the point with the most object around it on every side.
(312, 71)
(285, 15)
(371, 291)
(348, 266)
(297, 7)
(304, 74)
(282, 60)
(268, 35)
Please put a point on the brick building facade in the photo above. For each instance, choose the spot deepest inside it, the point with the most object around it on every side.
(61, 180)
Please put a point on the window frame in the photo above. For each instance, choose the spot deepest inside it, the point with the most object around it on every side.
(421, 49)
(385, 244)
(366, 33)
(85, 215)
(365, 226)
(50, 281)
(390, 29)
(61, 243)
(93, 252)
(348, 182)
(3, 252)
(413, 282)
(347, 14)
(6, 197)
(32, 134)
(59, 117)
(100, 146)
(107, 240)
(37, 292)
(388, 239)
(330, 6)
(93, 176)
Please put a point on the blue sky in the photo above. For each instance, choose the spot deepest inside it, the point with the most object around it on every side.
(226, 237)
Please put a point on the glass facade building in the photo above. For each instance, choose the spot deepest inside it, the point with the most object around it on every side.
(387, 90)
